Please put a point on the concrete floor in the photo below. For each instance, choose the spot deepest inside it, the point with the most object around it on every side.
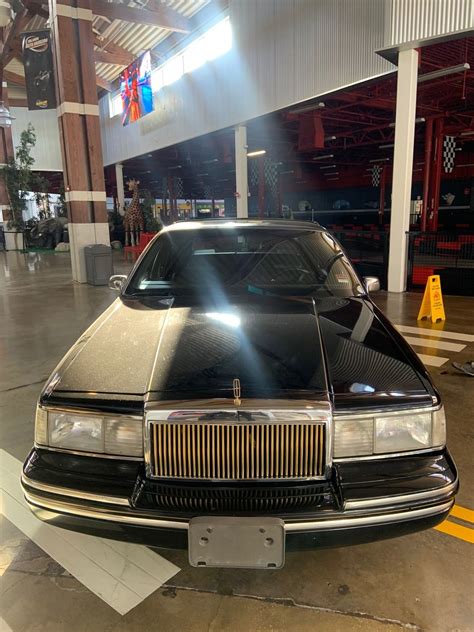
(422, 581)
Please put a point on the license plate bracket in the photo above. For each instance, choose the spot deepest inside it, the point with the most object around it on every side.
(234, 542)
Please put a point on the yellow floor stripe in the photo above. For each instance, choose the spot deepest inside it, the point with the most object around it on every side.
(462, 513)
(456, 530)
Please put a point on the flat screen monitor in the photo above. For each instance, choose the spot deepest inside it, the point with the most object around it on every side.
(135, 89)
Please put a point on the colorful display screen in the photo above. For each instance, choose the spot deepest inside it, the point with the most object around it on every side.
(135, 89)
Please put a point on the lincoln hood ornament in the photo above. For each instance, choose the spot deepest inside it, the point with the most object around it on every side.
(236, 386)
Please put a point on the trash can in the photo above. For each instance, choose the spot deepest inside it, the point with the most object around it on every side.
(99, 267)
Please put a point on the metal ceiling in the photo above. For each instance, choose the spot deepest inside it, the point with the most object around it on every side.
(135, 38)
(138, 37)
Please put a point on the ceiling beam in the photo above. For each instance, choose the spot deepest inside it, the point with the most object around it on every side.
(12, 38)
(106, 57)
(17, 102)
(123, 54)
(162, 16)
(103, 83)
(36, 7)
(12, 77)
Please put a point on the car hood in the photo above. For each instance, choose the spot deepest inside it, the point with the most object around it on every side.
(285, 348)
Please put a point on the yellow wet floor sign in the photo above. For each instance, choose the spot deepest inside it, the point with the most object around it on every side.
(432, 304)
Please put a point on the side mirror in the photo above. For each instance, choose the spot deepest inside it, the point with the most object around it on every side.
(372, 284)
(117, 281)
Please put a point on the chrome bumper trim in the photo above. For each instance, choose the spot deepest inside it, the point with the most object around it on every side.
(368, 521)
(371, 503)
(39, 504)
(74, 493)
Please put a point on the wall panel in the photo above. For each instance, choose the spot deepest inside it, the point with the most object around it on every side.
(419, 19)
(285, 51)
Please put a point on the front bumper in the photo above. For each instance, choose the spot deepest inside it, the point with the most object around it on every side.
(381, 499)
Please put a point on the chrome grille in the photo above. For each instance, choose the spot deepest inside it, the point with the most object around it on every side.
(237, 451)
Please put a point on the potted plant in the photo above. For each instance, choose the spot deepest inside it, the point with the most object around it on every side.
(19, 180)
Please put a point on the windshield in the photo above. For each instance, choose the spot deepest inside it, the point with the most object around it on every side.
(266, 260)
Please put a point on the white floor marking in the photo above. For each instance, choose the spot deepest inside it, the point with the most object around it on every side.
(431, 360)
(121, 574)
(438, 333)
(435, 344)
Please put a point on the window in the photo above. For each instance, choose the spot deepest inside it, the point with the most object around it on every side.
(245, 260)
(156, 79)
(115, 105)
(195, 55)
(218, 40)
(215, 42)
(172, 70)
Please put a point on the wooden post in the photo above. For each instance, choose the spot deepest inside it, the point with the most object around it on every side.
(79, 129)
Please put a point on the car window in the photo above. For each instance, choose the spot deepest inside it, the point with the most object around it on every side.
(243, 259)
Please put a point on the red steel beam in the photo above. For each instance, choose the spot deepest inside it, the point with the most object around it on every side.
(426, 174)
(439, 130)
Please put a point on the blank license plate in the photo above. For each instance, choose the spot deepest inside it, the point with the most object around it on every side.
(231, 542)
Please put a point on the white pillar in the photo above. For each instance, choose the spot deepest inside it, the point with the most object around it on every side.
(120, 191)
(241, 177)
(402, 168)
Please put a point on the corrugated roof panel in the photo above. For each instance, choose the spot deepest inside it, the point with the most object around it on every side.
(139, 37)
(133, 37)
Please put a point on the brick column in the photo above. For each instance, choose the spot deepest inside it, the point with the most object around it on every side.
(79, 129)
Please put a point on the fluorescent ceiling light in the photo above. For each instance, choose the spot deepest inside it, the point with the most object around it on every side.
(379, 159)
(323, 157)
(202, 174)
(468, 164)
(327, 166)
(387, 146)
(443, 72)
(467, 133)
(308, 108)
(207, 162)
(330, 138)
(332, 173)
(257, 152)
(329, 179)
(420, 119)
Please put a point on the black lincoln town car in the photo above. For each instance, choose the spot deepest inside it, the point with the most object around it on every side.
(241, 397)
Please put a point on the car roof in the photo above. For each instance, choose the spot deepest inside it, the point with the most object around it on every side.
(229, 223)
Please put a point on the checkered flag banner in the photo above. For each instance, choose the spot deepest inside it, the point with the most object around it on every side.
(271, 175)
(449, 153)
(178, 187)
(253, 172)
(376, 171)
(207, 192)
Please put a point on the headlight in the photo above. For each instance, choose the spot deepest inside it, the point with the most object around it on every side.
(393, 432)
(101, 434)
